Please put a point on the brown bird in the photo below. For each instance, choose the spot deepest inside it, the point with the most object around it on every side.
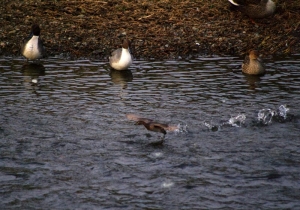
(253, 64)
(151, 125)
(253, 9)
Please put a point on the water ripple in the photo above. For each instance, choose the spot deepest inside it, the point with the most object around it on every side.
(66, 143)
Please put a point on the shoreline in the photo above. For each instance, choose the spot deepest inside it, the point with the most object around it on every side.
(157, 29)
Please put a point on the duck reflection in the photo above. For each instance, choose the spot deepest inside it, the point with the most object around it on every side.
(121, 77)
(252, 81)
(32, 72)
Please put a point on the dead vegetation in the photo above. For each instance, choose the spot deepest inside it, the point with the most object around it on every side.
(158, 29)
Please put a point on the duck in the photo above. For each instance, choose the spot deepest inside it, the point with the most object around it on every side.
(253, 64)
(151, 125)
(263, 9)
(121, 59)
(32, 48)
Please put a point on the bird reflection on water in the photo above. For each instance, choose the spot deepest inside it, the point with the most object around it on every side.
(31, 73)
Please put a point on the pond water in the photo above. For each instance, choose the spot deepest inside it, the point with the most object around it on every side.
(65, 141)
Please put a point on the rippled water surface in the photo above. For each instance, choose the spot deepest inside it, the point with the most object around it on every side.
(65, 141)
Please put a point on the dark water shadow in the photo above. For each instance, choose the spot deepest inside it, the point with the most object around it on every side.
(252, 81)
(31, 73)
(121, 77)
(33, 70)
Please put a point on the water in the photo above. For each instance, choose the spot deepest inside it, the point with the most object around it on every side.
(66, 142)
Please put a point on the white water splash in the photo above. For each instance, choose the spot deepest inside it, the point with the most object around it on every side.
(157, 154)
(237, 121)
(167, 184)
(266, 115)
(212, 127)
(181, 128)
(282, 111)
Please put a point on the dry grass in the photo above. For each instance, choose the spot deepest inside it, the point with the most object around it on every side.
(158, 29)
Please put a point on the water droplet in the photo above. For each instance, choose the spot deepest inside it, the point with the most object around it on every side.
(238, 120)
(265, 116)
(167, 184)
(282, 111)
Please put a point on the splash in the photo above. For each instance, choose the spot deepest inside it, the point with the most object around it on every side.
(237, 121)
(212, 127)
(157, 154)
(265, 116)
(282, 111)
(167, 184)
(181, 128)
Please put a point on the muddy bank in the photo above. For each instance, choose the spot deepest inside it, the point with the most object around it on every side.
(157, 29)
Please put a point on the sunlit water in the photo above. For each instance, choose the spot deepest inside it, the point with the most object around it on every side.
(65, 141)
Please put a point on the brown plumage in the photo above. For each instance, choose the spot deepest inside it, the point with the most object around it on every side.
(253, 9)
(253, 64)
(151, 125)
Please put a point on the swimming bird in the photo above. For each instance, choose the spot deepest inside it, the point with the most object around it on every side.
(120, 59)
(32, 48)
(253, 9)
(253, 64)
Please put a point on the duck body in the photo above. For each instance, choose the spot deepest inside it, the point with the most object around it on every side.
(32, 48)
(153, 126)
(255, 10)
(121, 59)
(253, 64)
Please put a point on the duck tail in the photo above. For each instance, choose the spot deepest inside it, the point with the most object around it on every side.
(233, 2)
(172, 128)
(133, 117)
